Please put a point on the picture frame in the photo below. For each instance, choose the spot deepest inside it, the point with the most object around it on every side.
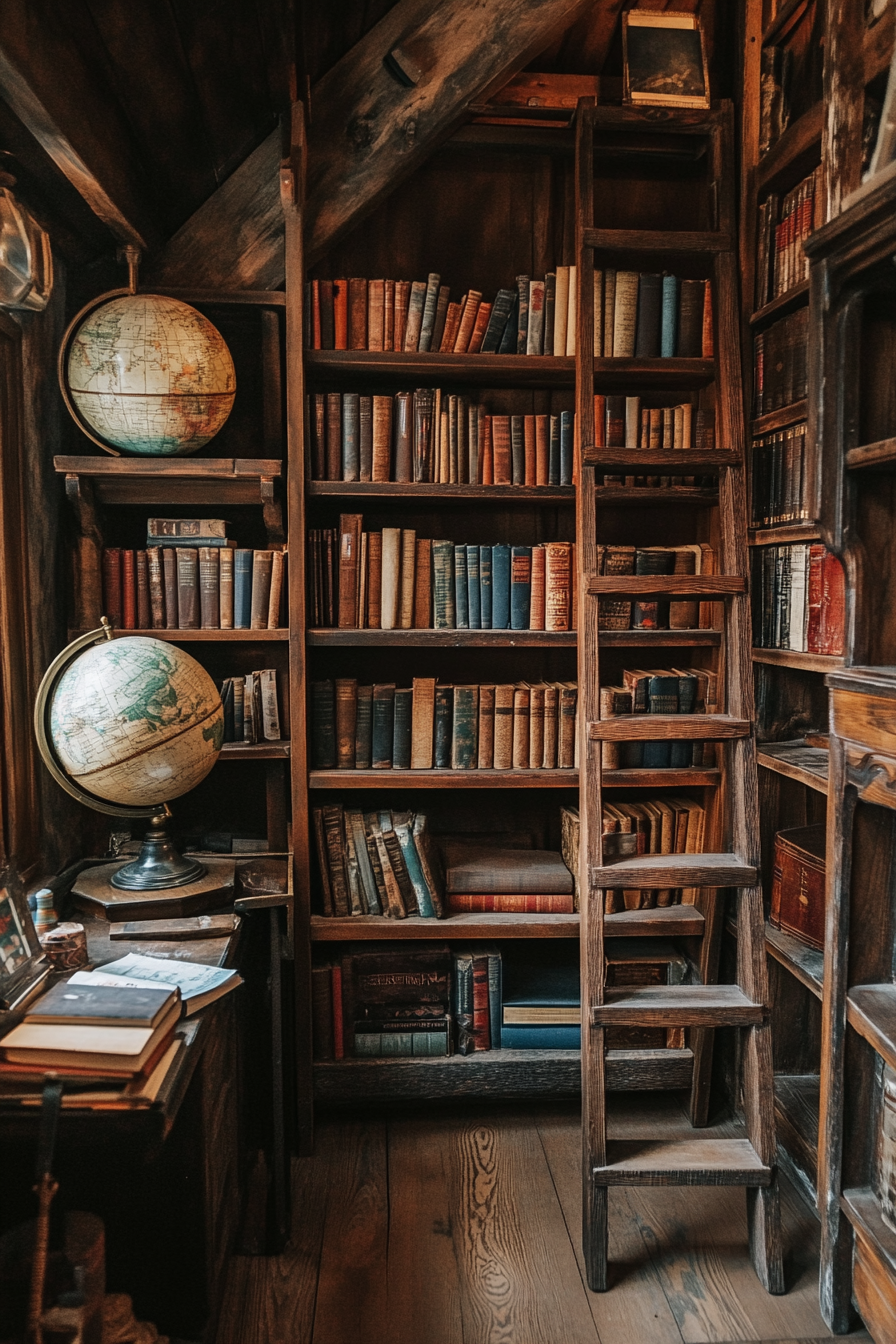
(22, 961)
(664, 59)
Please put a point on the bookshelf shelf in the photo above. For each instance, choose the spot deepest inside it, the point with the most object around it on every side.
(871, 1011)
(506, 370)
(660, 374)
(150, 481)
(670, 496)
(794, 297)
(659, 639)
(782, 533)
(881, 455)
(807, 765)
(804, 962)
(669, 922)
(442, 639)
(805, 662)
(797, 1098)
(668, 585)
(780, 418)
(674, 460)
(799, 141)
(863, 1211)
(420, 492)
(437, 779)
(256, 751)
(205, 636)
(667, 779)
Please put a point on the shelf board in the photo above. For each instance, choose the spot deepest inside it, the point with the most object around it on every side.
(780, 418)
(798, 141)
(870, 455)
(438, 779)
(671, 921)
(257, 298)
(674, 461)
(175, 480)
(808, 765)
(654, 373)
(657, 240)
(505, 370)
(658, 639)
(863, 1211)
(669, 727)
(711, 587)
(803, 662)
(206, 636)
(781, 533)
(670, 496)
(443, 639)
(784, 303)
(796, 1119)
(871, 1010)
(256, 751)
(804, 962)
(445, 494)
(694, 777)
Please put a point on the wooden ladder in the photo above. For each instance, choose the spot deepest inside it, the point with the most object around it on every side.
(734, 830)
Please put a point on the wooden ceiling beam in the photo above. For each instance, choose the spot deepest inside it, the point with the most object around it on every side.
(368, 130)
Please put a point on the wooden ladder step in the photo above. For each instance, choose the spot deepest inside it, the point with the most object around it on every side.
(654, 871)
(682, 1162)
(675, 461)
(677, 1006)
(658, 727)
(658, 240)
(716, 586)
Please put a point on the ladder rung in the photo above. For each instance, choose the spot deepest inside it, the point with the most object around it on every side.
(675, 461)
(682, 1162)
(677, 1006)
(667, 921)
(648, 1070)
(716, 586)
(675, 870)
(657, 240)
(669, 727)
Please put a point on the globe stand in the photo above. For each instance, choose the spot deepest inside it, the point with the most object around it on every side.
(159, 865)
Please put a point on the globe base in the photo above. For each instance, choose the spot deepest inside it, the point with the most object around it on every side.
(159, 865)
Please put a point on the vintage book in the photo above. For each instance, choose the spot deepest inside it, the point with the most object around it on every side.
(375, 317)
(242, 589)
(542, 450)
(427, 311)
(502, 451)
(112, 593)
(567, 439)
(357, 313)
(365, 438)
(196, 530)
(416, 304)
(474, 607)
(650, 298)
(467, 321)
(798, 884)
(572, 305)
(554, 450)
(322, 1045)
(381, 434)
(157, 589)
(669, 316)
(368, 890)
(383, 732)
(480, 326)
(521, 709)
(443, 592)
(438, 330)
(485, 745)
(225, 588)
(364, 728)
(561, 309)
(391, 589)
(551, 725)
(422, 614)
(116, 1050)
(278, 564)
(465, 725)
(614, 701)
(340, 314)
(476, 903)
(485, 587)
(536, 726)
(209, 588)
(399, 326)
(566, 744)
(537, 589)
(609, 322)
(625, 316)
(262, 571)
(315, 315)
(520, 586)
(351, 428)
(141, 591)
(522, 313)
(508, 342)
(504, 725)
(535, 328)
(452, 326)
(497, 320)
(558, 586)
(103, 1005)
(333, 822)
(517, 450)
(407, 562)
(444, 716)
(327, 317)
(652, 613)
(402, 825)
(346, 712)
(404, 436)
(423, 723)
(423, 409)
(550, 302)
(334, 437)
(690, 319)
(401, 729)
(187, 587)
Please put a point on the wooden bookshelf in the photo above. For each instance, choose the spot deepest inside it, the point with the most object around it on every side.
(804, 962)
(509, 496)
(672, 921)
(204, 636)
(793, 298)
(442, 639)
(807, 765)
(439, 779)
(780, 418)
(805, 662)
(782, 533)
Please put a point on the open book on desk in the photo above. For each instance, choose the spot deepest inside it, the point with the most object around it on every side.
(199, 985)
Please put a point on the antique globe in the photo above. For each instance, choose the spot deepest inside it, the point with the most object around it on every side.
(125, 725)
(147, 374)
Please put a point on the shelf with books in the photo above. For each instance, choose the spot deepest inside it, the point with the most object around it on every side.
(784, 303)
(804, 662)
(780, 418)
(420, 492)
(669, 496)
(801, 140)
(672, 921)
(203, 636)
(178, 480)
(808, 765)
(442, 639)
(437, 779)
(505, 370)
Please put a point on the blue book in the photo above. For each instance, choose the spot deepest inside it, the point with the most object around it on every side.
(520, 586)
(461, 599)
(242, 590)
(501, 587)
(444, 719)
(383, 729)
(401, 730)
(541, 1038)
(554, 452)
(507, 344)
(351, 436)
(474, 608)
(669, 317)
(485, 587)
(566, 443)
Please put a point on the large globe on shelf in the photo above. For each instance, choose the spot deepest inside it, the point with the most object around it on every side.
(136, 721)
(151, 375)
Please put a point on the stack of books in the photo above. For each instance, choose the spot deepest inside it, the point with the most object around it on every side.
(643, 316)
(383, 1002)
(666, 824)
(252, 708)
(780, 368)
(541, 1007)
(485, 879)
(799, 599)
(377, 863)
(625, 422)
(430, 725)
(618, 613)
(779, 477)
(673, 690)
(435, 437)
(395, 580)
(782, 226)
(476, 998)
(191, 577)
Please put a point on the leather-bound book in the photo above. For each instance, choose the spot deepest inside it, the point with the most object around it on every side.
(685, 615)
(423, 585)
(557, 585)
(169, 580)
(346, 715)
(364, 728)
(535, 327)
(520, 586)
(383, 732)
(521, 727)
(615, 422)
(798, 883)
(551, 725)
(503, 753)
(609, 311)
(566, 742)
(707, 337)
(349, 575)
(142, 584)
(550, 298)
(317, 429)
(416, 303)
(600, 420)
(652, 613)
(497, 320)
(529, 452)
(444, 714)
(375, 316)
(625, 316)
(508, 903)
(422, 455)
(614, 702)
(501, 587)
(365, 438)
(408, 567)
(480, 326)
(327, 316)
(156, 588)
(401, 729)
(690, 320)
(443, 599)
(423, 723)
(403, 429)
(128, 590)
(522, 313)
(381, 435)
(487, 453)
(278, 570)
(485, 587)
(209, 588)
(334, 437)
(334, 834)
(537, 590)
(315, 314)
(388, 314)
(650, 302)
(428, 316)
(340, 314)
(400, 324)
(262, 572)
(536, 726)
(517, 451)
(438, 330)
(542, 449)
(669, 316)
(452, 326)
(598, 290)
(390, 600)
(474, 594)
(567, 439)
(501, 447)
(561, 309)
(112, 595)
(554, 450)
(357, 313)
(351, 430)
(187, 587)
(461, 595)
(323, 725)
(467, 321)
(507, 343)
(833, 605)
(615, 613)
(465, 726)
(486, 729)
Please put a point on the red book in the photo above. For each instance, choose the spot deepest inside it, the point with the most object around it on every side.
(529, 440)
(816, 596)
(128, 591)
(485, 903)
(600, 420)
(481, 1030)
(501, 456)
(542, 451)
(315, 314)
(486, 456)
(340, 314)
(338, 1028)
(833, 605)
(112, 584)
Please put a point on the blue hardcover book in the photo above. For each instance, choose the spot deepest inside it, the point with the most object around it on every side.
(662, 693)
(522, 313)
(461, 599)
(444, 719)
(485, 587)
(401, 730)
(501, 587)
(567, 420)
(554, 452)
(501, 310)
(520, 586)
(541, 1038)
(681, 753)
(669, 319)
(351, 436)
(507, 344)
(474, 606)
(242, 590)
(531, 983)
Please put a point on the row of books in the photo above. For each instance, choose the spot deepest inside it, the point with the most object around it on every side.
(779, 477)
(665, 824)
(637, 315)
(252, 708)
(783, 224)
(799, 599)
(429, 725)
(616, 613)
(622, 422)
(395, 580)
(689, 690)
(780, 368)
(193, 587)
(435, 437)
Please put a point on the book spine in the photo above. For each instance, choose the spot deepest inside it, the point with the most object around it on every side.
(408, 579)
(537, 590)
(428, 316)
(391, 578)
(517, 450)
(242, 589)
(402, 298)
(467, 321)
(474, 607)
(554, 450)
(209, 588)
(262, 571)
(340, 314)
(169, 576)
(346, 699)
(503, 754)
(128, 590)
(567, 438)
(444, 714)
(520, 586)
(357, 313)
(521, 709)
(403, 428)
(327, 316)
(625, 316)
(278, 567)
(225, 588)
(566, 745)
(465, 726)
(112, 594)
(550, 297)
(558, 585)
(422, 723)
(461, 606)
(647, 341)
(416, 305)
(481, 1019)
(522, 313)
(349, 562)
(423, 585)
(383, 731)
(485, 587)
(561, 309)
(572, 308)
(375, 301)
(351, 425)
(364, 728)
(463, 1002)
(142, 590)
(334, 436)
(535, 328)
(485, 759)
(187, 588)
(401, 730)
(365, 438)
(501, 565)
(156, 588)
(438, 330)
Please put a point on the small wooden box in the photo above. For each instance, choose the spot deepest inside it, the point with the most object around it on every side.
(798, 884)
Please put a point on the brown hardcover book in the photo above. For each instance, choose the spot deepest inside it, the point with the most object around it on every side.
(491, 870)
(340, 314)
(408, 568)
(357, 314)
(557, 585)
(323, 861)
(423, 711)
(508, 903)
(225, 587)
(551, 726)
(349, 569)
(315, 314)
(486, 732)
(487, 453)
(390, 599)
(566, 744)
(452, 326)
(262, 570)
(399, 327)
(404, 436)
(187, 587)
(365, 438)
(142, 574)
(707, 341)
(520, 728)
(317, 429)
(278, 566)
(375, 317)
(128, 591)
(374, 579)
(112, 603)
(346, 717)
(382, 439)
(327, 316)
(416, 304)
(503, 759)
(169, 578)
(477, 335)
(156, 587)
(537, 591)
(501, 444)
(334, 833)
(467, 321)
(423, 585)
(530, 476)
(542, 450)
(798, 884)
(536, 726)
(334, 436)
(209, 588)
(690, 320)
(388, 314)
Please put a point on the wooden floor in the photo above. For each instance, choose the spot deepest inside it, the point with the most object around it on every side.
(464, 1228)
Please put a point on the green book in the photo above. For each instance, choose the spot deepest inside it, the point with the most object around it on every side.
(401, 730)
(443, 604)
(464, 735)
(383, 726)
(442, 733)
(363, 728)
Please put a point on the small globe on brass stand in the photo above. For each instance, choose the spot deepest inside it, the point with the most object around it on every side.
(125, 725)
